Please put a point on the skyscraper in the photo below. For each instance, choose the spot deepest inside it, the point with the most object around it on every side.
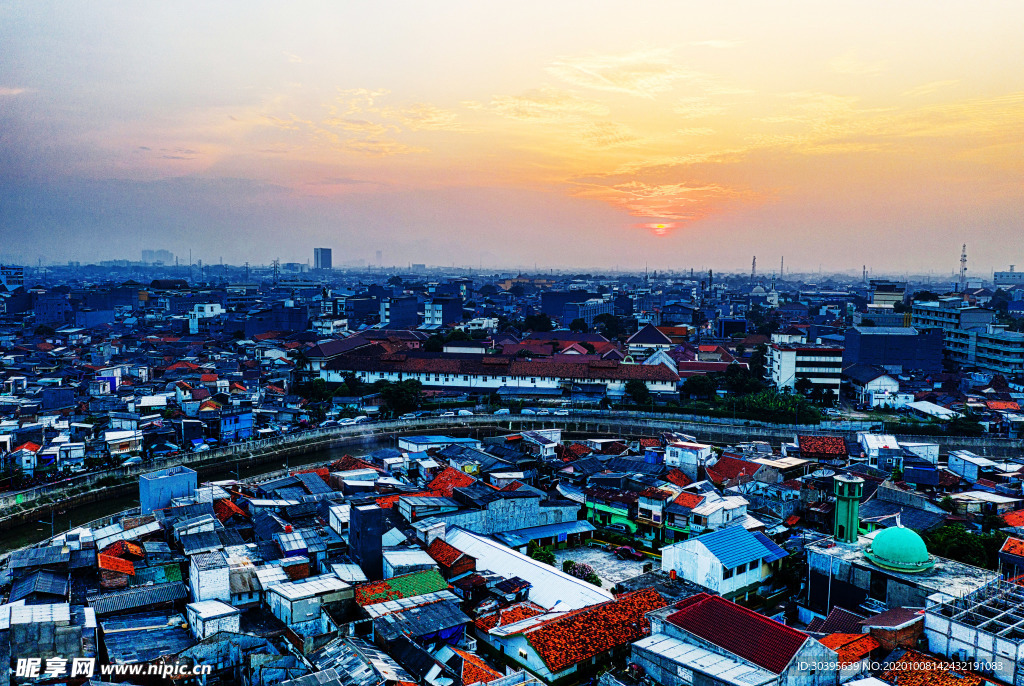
(321, 258)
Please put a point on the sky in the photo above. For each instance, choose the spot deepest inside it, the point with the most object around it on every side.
(571, 134)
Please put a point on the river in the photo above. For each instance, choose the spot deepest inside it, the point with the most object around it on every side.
(22, 536)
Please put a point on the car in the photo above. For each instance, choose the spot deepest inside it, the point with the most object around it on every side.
(502, 411)
(561, 413)
(329, 422)
(621, 528)
(527, 411)
(625, 552)
(408, 415)
(465, 413)
(347, 422)
(543, 411)
(447, 414)
(131, 461)
(360, 419)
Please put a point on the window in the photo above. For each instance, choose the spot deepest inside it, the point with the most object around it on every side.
(726, 572)
(742, 568)
(524, 655)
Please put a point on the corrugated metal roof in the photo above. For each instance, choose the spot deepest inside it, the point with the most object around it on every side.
(735, 546)
(551, 587)
(696, 658)
(138, 596)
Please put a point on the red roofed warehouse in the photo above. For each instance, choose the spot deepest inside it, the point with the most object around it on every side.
(711, 639)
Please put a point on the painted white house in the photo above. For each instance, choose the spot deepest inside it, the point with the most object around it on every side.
(731, 561)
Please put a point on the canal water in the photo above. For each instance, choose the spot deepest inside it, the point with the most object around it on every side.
(29, 534)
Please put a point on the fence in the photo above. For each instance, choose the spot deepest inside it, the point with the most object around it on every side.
(598, 421)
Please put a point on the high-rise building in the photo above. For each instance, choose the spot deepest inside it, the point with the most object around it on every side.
(12, 277)
(157, 256)
(322, 258)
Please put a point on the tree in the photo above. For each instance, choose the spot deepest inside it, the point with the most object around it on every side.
(44, 330)
(637, 391)
(803, 386)
(540, 554)
(609, 324)
(539, 322)
(395, 281)
(434, 344)
(315, 391)
(759, 361)
(399, 397)
(579, 325)
(738, 380)
(700, 386)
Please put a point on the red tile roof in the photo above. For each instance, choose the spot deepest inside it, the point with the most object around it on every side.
(444, 553)
(690, 500)
(578, 449)
(650, 442)
(851, 647)
(730, 468)
(917, 669)
(225, 509)
(115, 564)
(348, 463)
(207, 378)
(829, 446)
(388, 501)
(569, 640)
(509, 615)
(449, 479)
(475, 670)
(675, 476)
(743, 632)
(1013, 546)
(29, 446)
(1003, 405)
(125, 549)
(1015, 518)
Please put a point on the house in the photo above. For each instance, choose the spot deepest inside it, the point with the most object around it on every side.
(689, 458)
(211, 616)
(873, 387)
(732, 561)
(707, 639)
(295, 602)
(646, 342)
(564, 648)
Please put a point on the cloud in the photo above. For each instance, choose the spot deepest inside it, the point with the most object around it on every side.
(422, 117)
(718, 44)
(542, 104)
(854, 66)
(294, 59)
(695, 131)
(356, 100)
(339, 181)
(696, 108)
(606, 134)
(929, 88)
(643, 74)
(6, 90)
(379, 148)
(674, 202)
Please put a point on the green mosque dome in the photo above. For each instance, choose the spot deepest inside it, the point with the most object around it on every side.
(899, 549)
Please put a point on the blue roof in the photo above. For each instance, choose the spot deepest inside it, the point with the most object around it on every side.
(735, 546)
(776, 553)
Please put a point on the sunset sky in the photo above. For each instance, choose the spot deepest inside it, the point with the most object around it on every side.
(566, 134)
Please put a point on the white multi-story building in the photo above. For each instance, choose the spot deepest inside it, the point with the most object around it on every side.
(821, 365)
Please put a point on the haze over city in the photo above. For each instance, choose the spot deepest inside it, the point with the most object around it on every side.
(567, 134)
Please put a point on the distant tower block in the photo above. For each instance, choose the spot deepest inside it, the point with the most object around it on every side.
(321, 258)
(753, 268)
(380, 258)
(848, 492)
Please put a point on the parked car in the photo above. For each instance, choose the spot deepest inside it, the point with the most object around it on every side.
(447, 414)
(360, 419)
(408, 415)
(131, 461)
(625, 552)
(527, 410)
(542, 411)
(465, 413)
(502, 411)
(621, 528)
(562, 413)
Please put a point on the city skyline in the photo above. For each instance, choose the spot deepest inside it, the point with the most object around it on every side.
(579, 134)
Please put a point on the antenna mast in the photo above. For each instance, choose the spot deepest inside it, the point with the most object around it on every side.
(963, 269)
